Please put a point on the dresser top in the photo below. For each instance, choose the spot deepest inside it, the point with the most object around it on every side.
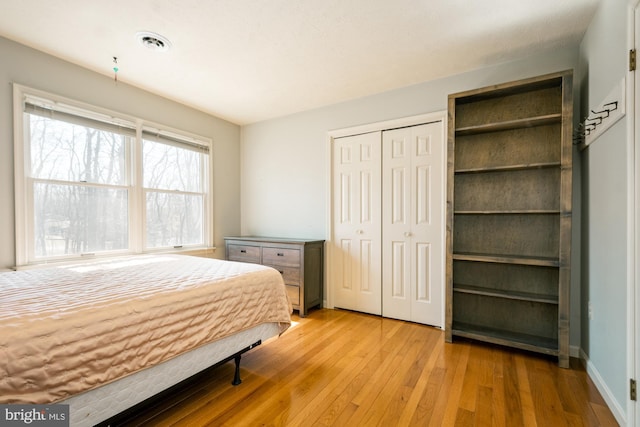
(272, 239)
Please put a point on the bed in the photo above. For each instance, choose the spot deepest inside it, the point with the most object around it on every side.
(104, 335)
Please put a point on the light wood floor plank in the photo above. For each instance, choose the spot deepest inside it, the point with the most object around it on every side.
(524, 390)
(483, 414)
(469, 394)
(349, 366)
(388, 403)
(455, 392)
(514, 414)
(422, 383)
(339, 368)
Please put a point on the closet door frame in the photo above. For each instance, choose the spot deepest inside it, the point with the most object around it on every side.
(438, 116)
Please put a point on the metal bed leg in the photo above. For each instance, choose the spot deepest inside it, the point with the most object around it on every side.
(236, 376)
(237, 357)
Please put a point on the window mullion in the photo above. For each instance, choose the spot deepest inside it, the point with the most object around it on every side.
(137, 220)
(188, 193)
(75, 183)
(207, 193)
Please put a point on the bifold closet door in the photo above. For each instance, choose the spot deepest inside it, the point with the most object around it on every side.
(356, 251)
(412, 223)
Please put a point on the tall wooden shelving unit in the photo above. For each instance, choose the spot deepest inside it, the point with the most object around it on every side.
(509, 214)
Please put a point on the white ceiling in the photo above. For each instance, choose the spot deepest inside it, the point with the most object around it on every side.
(251, 60)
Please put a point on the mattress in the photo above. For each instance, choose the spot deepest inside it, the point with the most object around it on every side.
(70, 329)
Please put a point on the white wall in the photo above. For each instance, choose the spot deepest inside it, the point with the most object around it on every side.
(35, 69)
(604, 265)
(284, 161)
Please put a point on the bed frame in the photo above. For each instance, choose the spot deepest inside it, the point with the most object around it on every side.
(114, 403)
(123, 417)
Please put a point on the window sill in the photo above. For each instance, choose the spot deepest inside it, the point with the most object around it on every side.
(199, 252)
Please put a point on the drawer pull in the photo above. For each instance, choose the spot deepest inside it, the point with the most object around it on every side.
(243, 251)
(280, 254)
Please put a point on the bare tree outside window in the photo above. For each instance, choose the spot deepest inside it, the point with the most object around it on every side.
(79, 197)
(174, 194)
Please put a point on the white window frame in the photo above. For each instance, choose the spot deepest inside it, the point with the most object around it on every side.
(24, 214)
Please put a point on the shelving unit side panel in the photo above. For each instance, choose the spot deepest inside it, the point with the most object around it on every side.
(451, 139)
(565, 219)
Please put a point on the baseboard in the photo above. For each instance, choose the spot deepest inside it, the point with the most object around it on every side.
(574, 351)
(618, 411)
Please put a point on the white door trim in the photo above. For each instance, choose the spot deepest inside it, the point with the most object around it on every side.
(390, 124)
(633, 213)
(439, 116)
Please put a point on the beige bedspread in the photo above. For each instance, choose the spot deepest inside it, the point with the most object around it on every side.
(64, 330)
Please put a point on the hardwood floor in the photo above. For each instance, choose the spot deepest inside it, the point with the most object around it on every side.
(342, 368)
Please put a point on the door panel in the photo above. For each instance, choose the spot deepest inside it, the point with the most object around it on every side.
(422, 195)
(412, 184)
(356, 222)
(398, 273)
(423, 271)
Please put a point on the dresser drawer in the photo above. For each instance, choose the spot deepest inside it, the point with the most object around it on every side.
(279, 256)
(244, 253)
(294, 294)
(290, 275)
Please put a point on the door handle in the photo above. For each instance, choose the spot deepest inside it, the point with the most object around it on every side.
(407, 234)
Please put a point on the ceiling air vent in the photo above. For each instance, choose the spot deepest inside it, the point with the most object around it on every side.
(153, 41)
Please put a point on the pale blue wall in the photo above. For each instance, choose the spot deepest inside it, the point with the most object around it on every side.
(284, 161)
(603, 56)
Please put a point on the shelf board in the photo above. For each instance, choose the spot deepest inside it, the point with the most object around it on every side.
(507, 89)
(507, 259)
(520, 296)
(509, 168)
(513, 339)
(510, 124)
(509, 212)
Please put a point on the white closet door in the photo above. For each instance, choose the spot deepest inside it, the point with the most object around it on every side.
(412, 272)
(356, 254)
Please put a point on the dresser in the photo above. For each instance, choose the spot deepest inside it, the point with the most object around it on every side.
(300, 261)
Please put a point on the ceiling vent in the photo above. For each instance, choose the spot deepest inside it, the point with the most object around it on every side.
(153, 41)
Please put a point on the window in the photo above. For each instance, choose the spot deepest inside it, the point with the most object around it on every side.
(173, 187)
(95, 183)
